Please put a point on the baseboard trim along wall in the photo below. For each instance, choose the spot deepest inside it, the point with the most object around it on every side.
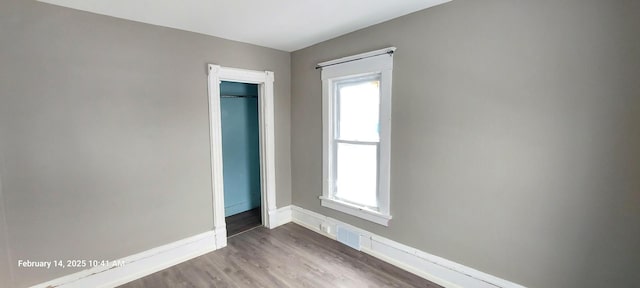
(436, 269)
(138, 265)
(279, 217)
(433, 268)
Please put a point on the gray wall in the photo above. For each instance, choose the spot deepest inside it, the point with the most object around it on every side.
(515, 137)
(105, 133)
(5, 268)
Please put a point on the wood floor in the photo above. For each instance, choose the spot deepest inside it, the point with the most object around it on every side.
(288, 256)
(243, 221)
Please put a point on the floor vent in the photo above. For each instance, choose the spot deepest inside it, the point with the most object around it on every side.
(348, 237)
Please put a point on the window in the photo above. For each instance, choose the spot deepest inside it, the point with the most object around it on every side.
(356, 136)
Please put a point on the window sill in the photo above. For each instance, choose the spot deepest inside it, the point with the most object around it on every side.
(354, 210)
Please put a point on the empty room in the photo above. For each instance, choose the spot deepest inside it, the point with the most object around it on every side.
(210, 143)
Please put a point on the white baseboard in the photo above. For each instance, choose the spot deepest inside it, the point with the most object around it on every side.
(138, 265)
(156, 259)
(436, 269)
(433, 268)
(220, 235)
(279, 217)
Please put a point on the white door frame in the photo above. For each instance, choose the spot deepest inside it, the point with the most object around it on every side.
(267, 143)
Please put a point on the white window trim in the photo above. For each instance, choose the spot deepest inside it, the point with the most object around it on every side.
(378, 61)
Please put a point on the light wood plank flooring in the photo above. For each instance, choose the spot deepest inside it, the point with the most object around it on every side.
(288, 256)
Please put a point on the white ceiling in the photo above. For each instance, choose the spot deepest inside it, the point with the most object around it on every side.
(286, 25)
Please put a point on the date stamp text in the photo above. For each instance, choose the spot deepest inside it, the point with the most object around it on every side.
(49, 264)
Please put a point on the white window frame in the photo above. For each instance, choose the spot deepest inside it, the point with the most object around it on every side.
(371, 63)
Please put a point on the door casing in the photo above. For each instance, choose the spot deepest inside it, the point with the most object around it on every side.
(266, 113)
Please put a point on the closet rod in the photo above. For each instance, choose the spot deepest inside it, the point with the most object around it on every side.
(237, 96)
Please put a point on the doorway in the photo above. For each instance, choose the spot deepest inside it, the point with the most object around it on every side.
(264, 79)
(240, 156)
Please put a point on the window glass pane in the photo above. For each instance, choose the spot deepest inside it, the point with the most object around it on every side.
(356, 179)
(358, 110)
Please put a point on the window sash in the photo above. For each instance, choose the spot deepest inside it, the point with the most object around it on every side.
(352, 81)
(336, 85)
(334, 171)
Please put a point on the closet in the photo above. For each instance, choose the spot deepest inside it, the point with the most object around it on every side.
(240, 156)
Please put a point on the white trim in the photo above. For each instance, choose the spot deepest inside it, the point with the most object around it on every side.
(280, 217)
(220, 236)
(215, 133)
(138, 265)
(370, 63)
(267, 141)
(355, 210)
(433, 268)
